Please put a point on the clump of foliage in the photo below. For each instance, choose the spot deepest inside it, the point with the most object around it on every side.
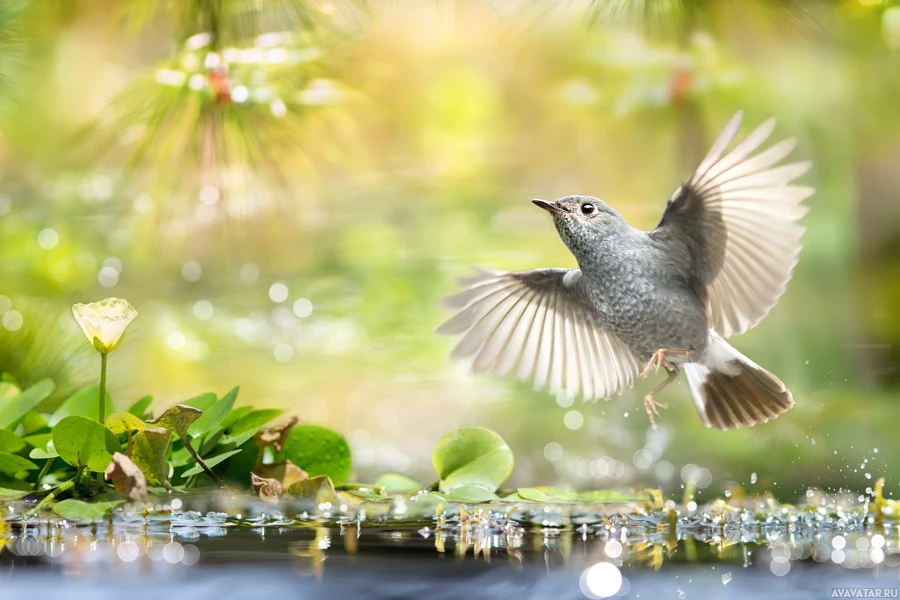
(83, 459)
(204, 440)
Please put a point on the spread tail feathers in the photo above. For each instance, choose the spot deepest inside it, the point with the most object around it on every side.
(730, 390)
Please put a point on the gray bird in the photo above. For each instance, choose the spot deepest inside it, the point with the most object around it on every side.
(713, 267)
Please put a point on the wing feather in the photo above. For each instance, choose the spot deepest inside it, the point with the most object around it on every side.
(539, 325)
(738, 214)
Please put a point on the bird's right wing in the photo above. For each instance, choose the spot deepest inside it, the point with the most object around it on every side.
(738, 216)
(540, 325)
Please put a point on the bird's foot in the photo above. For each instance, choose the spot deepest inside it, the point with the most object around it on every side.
(656, 361)
(651, 404)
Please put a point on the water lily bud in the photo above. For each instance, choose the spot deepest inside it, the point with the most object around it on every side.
(104, 322)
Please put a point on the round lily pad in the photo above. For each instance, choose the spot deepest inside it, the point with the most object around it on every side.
(84, 442)
(472, 456)
(318, 451)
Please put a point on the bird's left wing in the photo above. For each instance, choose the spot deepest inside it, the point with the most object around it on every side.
(737, 215)
(539, 325)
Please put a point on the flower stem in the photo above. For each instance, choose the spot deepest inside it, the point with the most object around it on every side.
(63, 487)
(219, 483)
(44, 470)
(102, 411)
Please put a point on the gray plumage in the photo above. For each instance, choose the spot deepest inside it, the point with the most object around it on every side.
(713, 267)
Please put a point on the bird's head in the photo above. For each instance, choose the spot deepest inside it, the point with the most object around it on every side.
(581, 220)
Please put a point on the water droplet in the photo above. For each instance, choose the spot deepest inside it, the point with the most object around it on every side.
(726, 578)
(753, 477)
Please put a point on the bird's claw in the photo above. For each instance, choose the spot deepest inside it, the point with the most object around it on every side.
(650, 405)
(656, 361)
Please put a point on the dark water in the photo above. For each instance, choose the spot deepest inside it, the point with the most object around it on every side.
(464, 552)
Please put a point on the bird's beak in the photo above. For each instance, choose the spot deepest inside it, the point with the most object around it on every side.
(551, 207)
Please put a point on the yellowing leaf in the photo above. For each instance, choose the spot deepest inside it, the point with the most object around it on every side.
(119, 423)
(147, 451)
(178, 418)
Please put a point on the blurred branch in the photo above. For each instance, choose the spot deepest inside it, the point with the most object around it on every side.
(236, 21)
(679, 18)
(213, 134)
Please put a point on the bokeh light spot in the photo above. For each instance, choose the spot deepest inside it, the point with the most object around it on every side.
(573, 420)
(48, 239)
(108, 277)
(553, 451)
(303, 308)
(12, 320)
(249, 273)
(278, 292)
(191, 271)
(283, 353)
(128, 551)
(601, 580)
(203, 310)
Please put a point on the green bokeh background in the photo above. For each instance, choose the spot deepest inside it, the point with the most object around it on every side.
(410, 137)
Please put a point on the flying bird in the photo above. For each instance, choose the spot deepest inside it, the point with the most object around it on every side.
(713, 267)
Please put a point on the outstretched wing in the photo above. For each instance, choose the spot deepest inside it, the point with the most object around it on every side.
(737, 215)
(539, 325)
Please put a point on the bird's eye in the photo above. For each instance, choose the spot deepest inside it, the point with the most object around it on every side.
(588, 209)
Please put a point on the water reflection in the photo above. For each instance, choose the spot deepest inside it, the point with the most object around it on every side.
(604, 545)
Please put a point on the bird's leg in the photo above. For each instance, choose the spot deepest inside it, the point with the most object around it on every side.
(659, 360)
(650, 402)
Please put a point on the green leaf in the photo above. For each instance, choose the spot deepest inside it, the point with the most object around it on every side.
(472, 456)
(320, 489)
(41, 454)
(254, 421)
(83, 442)
(33, 422)
(396, 483)
(43, 446)
(139, 408)
(607, 496)
(178, 418)
(84, 512)
(8, 495)
(430, 499)
(548, 494)
(210, 462)
(201, 402)
(119, 423)
(83, 403)
(471, 494)
(368, 495)
(14, 407)
(318, 451)
(213, 415)
(234, 416)
(10, 464)
(148, 451)
(239, 439)
(10, 442)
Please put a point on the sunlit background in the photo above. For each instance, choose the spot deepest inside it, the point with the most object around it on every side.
(285, 190)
